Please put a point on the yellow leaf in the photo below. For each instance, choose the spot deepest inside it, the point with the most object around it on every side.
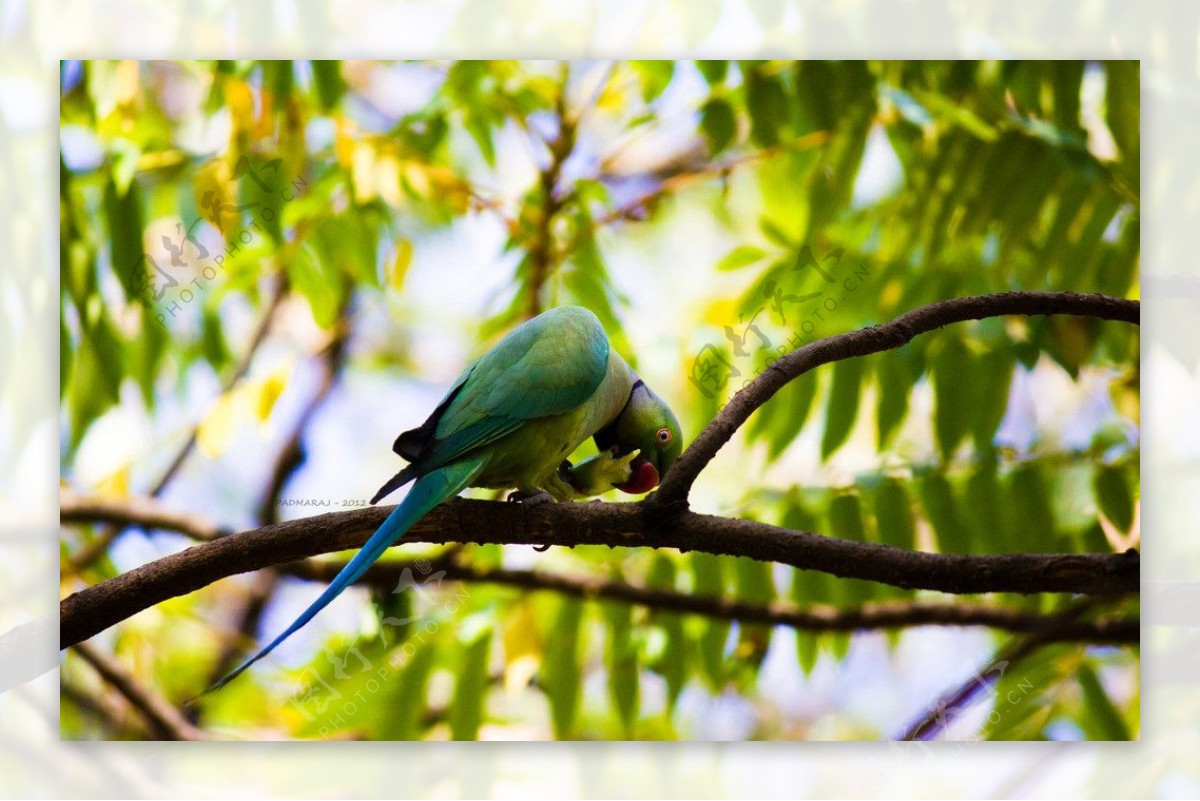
(239, 99)
(387, 179)
(398, 268)
(217, 426)
(722, 312)
(216, 194)
(522, 647)
(363, 172)
(116, 483)
(265, 392)
(416, 177)
(344, 142)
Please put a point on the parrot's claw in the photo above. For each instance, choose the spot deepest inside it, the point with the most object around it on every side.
(530, 497)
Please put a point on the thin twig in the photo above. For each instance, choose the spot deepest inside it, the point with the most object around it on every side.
(542, 252)
(93, 550)
(289, 459)
(950, 705)
(814, 618)
(166, 721)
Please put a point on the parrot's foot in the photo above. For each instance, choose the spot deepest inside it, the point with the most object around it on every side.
(600, 473)
(530, 497)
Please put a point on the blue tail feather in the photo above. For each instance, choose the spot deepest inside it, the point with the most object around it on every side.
(430, 490)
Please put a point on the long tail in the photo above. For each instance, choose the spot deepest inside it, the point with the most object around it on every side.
(430, 490)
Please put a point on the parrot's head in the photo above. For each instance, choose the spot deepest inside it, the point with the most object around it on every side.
(647, 425)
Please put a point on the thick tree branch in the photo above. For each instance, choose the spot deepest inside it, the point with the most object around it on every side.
(814, 618)
(673, 493)
(95, 608)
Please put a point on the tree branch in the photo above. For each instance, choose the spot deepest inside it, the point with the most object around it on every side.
(331, 359)
(814, 618)
(95, 608)
(92, 551)
(166, 720)
(673, 492)
(950, 705)
(542, 252)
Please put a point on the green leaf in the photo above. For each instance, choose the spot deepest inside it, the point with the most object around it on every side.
(941, 511)
(713, 71)
(781, 419)
(768, 105)
(655, 76)
(560, 675)
(756, 585)
(327, 79)
(985, 512)
(98, 368)
(709, 581)
(317, 283)
(1114, 496)
(65, 351)
(953, 393)
(842, 408)
(718, 123)
(671, 661)
(278, 77)
(1101, 720)
(622, 664)
(1122, 109)
(1028, 492)
(894, 517)
(481, 132)
(145, 353)
(991, 377)
(470, 688)
(739, 257)
(406, 703)
(895, 380)
(262, 188)
(123, 213)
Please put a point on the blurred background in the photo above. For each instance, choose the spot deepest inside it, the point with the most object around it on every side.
(270, 268)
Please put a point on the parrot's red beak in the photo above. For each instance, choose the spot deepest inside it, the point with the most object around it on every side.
(642, 477)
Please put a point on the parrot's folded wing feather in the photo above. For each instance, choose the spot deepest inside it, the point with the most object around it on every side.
(548, 366)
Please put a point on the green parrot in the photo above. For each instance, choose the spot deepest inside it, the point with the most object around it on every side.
(511, 420)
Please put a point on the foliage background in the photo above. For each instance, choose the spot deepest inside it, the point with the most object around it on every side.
(404, 215)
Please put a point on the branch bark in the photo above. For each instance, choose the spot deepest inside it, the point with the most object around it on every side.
(95, 608)
(676, 484)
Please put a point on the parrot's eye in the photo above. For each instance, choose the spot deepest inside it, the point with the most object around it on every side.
(663, 436)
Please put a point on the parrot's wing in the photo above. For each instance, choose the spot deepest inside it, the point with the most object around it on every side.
(548, 366)
(412, 444)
